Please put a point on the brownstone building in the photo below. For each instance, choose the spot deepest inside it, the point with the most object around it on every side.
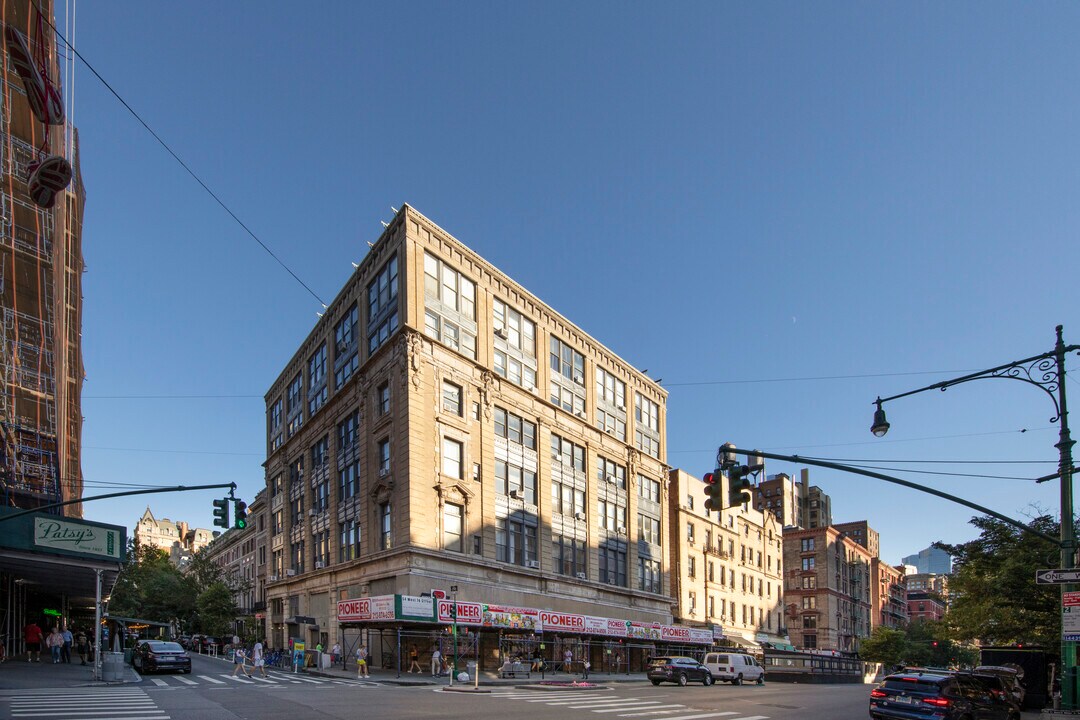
(41, 266)
(442, 428)
(827, 588)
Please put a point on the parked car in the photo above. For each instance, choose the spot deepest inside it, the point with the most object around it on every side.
(936, 696)
(734, 668)
(999, 687)
(1011, 676)
(157, 655)
(202, 643)
(678, 669)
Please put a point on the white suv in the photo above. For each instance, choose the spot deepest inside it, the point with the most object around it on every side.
(734, 668)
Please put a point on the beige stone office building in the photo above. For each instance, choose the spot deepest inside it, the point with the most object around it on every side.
(726, 568)
(441, 427)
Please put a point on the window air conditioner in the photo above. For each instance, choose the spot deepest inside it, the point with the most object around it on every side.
(319, 564)
(622, 529)
(581, 576)
(535, 564)
(516, 494)
(610, 581)
(273, 578)
(383, 472)
(312, 512)
(579, 516)
(610, 478)
(580, 413)
(499, 332)
(290, 572)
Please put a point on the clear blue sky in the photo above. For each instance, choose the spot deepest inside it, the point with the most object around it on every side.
(736, 197)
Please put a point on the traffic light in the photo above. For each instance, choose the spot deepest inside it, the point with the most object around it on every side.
(739, 484)
(221, 513)
(241, 514)
(714, 491)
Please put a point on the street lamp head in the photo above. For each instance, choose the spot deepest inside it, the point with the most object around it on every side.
(881, 425)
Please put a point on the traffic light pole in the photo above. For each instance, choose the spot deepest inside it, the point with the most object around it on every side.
(178, 488)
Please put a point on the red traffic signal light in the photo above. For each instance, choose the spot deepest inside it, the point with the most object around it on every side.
(714, 491)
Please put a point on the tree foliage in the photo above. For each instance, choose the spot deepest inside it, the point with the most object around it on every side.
(921, 643)
(992, 591)
(150, 587)
(217, 609)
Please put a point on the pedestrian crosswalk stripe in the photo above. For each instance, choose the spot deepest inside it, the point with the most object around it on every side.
(719, 714)
(159, 682)
(88, 704)
(264, 680)
(210, 679)
(630, 706)
(105, 714)
(669, 709)
(237, 679)
(581, 702)
(186, 681)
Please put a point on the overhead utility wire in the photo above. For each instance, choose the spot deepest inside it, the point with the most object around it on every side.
(820, 377)
(182, 163)
(932, 472)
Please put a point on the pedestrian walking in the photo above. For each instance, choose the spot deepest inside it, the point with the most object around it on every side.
(436, 662)
(414, 660)
(568, 661)
(362, 662)
(55, 642)
(81, 645)
(65, 652)
(258, 659)
(32, 636)
(238, 661)
(335, 653)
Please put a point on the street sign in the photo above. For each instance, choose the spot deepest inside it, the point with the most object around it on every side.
(1070, 616)
(1056, 577)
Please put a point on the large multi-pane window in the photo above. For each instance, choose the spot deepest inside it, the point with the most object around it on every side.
(567, 453)
(320, 452)
(515, 428)
(449, 306)
(612, 516)
(567, 377)
(568, 555)
(648, 529)
(612, 565)
(649, 577)
(348, 480)
(321, 500)
(452, 526)
(382, 305)
(277, 485)
(349, 540)
(296, 556)
(296, 475)
(452, 452)
(512, 479)
(384, 457)
(567, 500)
(610, 404)
(347, 432)
(276, 438)
(451, 398)
(515, 345)
(385, 527)
(648, 489)
(321, 541)
(296, 510)
(293, 404)
(346, 358)
(515, 541)
(608, 471)
(646, 425)
(382, 399)
(317, 390)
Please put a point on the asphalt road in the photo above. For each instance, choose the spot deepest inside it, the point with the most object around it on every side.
(210, 693)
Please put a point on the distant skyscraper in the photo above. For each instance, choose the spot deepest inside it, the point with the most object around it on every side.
(931, 560)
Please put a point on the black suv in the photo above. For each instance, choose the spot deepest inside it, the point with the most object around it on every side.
(936, 696)
(678, 669)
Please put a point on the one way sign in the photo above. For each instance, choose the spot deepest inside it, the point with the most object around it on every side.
(1056, 577)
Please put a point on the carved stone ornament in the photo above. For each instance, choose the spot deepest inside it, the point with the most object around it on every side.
(488, 382)
(633, 456)
(415, 348)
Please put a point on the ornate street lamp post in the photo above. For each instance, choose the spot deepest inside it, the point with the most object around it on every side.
(1046, 372)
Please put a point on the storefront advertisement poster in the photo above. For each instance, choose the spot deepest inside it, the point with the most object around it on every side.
(370, 608)
(513, 618)
(562, 622)
(468, 613)
(642, 631)
(412, 607)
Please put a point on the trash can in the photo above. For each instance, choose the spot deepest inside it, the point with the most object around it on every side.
(112, 666)
(129, 653)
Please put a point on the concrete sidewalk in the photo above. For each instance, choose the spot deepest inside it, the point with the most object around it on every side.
(18, 674)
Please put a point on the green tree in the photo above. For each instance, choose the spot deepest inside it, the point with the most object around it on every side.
(150, 587)
(217, 610)
(993, 595)
(885, 645)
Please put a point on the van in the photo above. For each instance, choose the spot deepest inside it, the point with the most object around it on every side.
(734, 668)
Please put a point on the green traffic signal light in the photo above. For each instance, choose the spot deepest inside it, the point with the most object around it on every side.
(221, 513)
(241, 514)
